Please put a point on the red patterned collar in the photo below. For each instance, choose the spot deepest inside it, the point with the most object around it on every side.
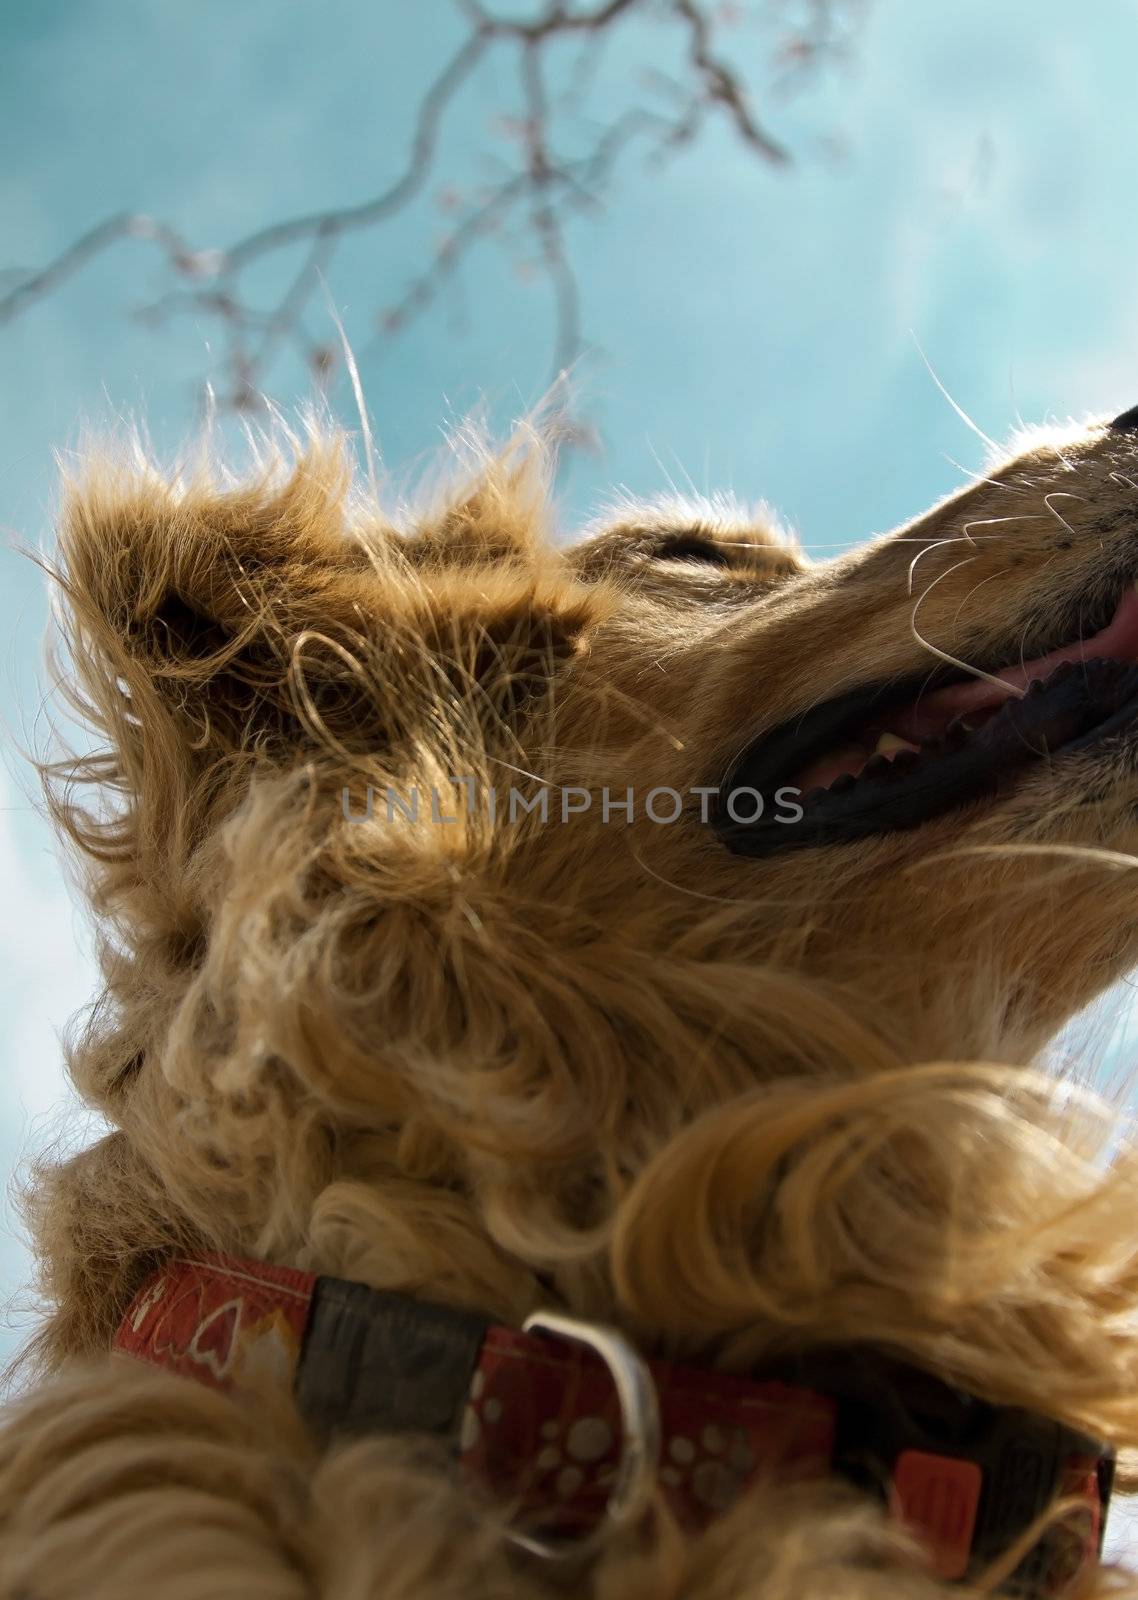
(567, 1420)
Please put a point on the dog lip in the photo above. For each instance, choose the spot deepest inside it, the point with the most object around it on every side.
(928, 717)
(1075, 695)
(1118, 641)
(1078, 706)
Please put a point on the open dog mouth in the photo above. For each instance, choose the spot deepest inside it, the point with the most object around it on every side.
(899, 754)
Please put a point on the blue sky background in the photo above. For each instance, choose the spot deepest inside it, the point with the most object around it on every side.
(754, 327)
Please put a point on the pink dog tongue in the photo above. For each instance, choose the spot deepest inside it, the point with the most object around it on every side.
(930, 714)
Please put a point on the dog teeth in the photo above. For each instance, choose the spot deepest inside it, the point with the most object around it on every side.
(890, 744)
(906, 760)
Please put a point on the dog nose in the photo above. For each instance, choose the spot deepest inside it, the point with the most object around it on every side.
(1127, 421)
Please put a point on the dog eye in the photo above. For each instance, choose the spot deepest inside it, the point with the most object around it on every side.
(692, 547)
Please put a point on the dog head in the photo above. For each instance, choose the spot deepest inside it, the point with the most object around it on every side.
(910, 770)
(479, 908)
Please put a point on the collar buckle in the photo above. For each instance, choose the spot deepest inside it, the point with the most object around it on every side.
(640, 1436)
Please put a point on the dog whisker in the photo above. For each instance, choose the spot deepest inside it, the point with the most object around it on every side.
(983, 522)
(991, 578)
(960, 412)
(1061, 495)
(1115, 860)
(946, 656)
(939, 544)
(977, 478)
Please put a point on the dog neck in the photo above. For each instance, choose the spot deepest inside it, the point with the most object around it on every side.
(579, 1432)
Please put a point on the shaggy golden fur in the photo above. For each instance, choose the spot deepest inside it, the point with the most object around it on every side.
(733, 1107)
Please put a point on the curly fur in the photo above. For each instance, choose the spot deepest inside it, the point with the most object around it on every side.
(735, 1108)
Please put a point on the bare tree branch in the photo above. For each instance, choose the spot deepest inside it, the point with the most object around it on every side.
(535, 195)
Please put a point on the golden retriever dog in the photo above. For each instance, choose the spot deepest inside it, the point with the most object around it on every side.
(575, 1046)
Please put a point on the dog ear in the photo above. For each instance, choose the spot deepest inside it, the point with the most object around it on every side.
(181, 600)
(499, 638)
(501, 518)
(676, 537)
(213, 628)
(218, 638)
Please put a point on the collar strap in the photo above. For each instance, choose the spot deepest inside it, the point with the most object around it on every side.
(541, 1421)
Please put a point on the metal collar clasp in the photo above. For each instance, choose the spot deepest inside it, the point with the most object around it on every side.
(640, 1436)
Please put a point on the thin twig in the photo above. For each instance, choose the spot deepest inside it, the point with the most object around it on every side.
(529, 203)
